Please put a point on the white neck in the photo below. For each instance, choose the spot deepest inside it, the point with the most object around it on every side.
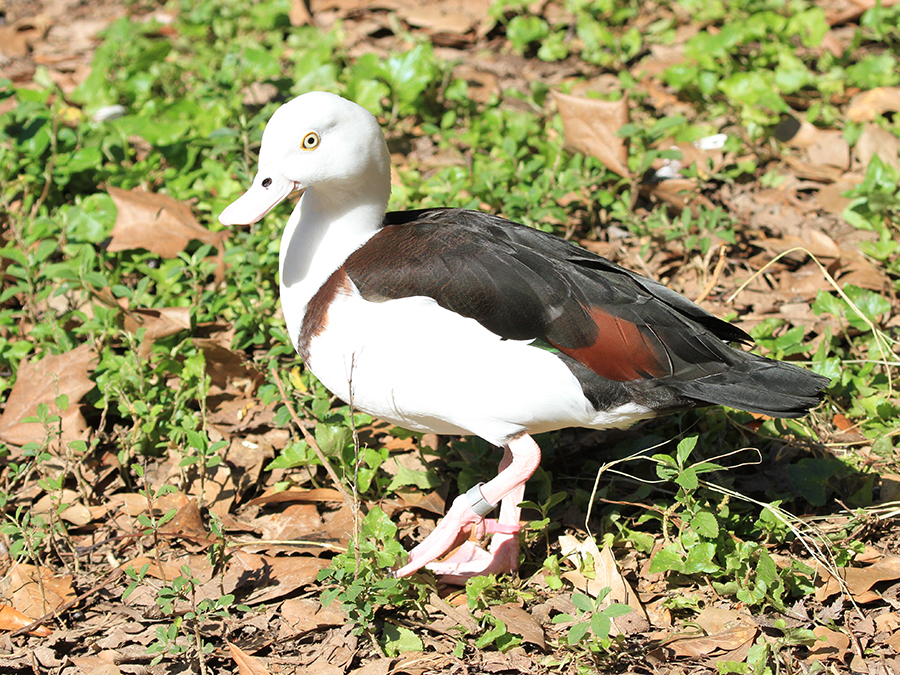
(326, 226)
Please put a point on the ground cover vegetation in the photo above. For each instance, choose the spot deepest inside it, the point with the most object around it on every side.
(177, 491)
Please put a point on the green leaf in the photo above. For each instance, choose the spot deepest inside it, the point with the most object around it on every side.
(812, 478)
(583, 602)
(701, 559)
(600, 625)
(688, 479)
(398, 639)
(667, 559)
(577, 632)
(405, 477)
(705, 523)
(685, 448)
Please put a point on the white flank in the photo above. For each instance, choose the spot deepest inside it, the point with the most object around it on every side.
(425, 368)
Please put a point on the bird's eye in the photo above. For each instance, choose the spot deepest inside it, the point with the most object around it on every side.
(310, 141)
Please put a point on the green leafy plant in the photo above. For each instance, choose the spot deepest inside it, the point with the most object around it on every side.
(592, 619)
(361, 581)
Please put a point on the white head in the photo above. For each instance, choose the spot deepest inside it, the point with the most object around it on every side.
(319, 141)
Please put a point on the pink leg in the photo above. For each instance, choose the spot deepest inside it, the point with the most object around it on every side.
(520, 460)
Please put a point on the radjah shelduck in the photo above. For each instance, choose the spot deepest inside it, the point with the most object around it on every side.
(458, 322)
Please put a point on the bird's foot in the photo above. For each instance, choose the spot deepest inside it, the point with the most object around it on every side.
(471, 560)
(452, 531)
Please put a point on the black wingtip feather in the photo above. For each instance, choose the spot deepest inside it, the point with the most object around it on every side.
(760, 385)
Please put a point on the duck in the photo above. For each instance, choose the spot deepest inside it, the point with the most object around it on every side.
(459, 322)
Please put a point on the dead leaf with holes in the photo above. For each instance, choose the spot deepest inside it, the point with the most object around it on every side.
(157, 223)
(591, 127)
(42, 382)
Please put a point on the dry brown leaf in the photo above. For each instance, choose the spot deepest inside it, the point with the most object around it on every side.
(841, 422)
(17, 38)
(835, 645)
(590, 127)
(381, 666)
(188, 523)
(42, 382)
(75, 513)
(159, 323)
(815, 242)
(843, 11)
(350, 6)
(856, 269)
(304, 615)
(859, 580)
(875, 140)
(822, 173)
(704, 646)
(889, 621)
(95, 665)
(158, 223)
(829, 148)
(224, 365)
(680, 193)
(438, 18)
(867, 105)
(894, 641)
(299, 13)
(270, 577)
(314, 496)
(12, 619)
(718, 619)
(247, 664)
(606, 575)
(132, 503)
(297, 521)
(831, 199)
(519, 622)
(21, 590)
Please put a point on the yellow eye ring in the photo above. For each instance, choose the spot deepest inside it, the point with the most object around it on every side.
(310, 141)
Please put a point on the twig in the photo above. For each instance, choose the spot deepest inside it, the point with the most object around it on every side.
(720, 265)
(311, 441)
(114, 574)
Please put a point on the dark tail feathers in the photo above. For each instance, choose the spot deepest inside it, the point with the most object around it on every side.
(759, 385)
